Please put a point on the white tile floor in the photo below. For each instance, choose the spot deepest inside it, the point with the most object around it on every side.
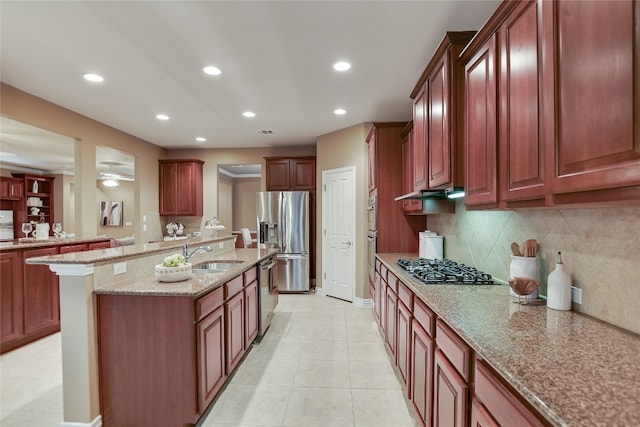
(322, 363)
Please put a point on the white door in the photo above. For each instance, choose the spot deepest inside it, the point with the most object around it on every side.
(339, 232)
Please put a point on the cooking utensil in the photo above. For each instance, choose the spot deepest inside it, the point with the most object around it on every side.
(523, 286)
(515, 249)
(530, 248)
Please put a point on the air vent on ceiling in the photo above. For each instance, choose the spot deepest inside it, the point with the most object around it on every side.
(264, 132)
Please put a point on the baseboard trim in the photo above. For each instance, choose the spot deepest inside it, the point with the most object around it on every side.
(95, 423)
(363, 302)
(358, 302)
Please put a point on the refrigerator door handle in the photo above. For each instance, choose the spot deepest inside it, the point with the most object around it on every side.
(283, 221)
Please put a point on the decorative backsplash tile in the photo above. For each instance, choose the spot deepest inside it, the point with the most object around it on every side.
(600, 249)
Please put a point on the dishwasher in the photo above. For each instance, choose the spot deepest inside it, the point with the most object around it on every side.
(268, 295)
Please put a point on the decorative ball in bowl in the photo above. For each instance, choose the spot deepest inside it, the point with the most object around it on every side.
(173, 269)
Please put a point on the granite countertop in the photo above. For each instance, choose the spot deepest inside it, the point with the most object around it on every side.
(576, 370)
(199, 283)
(121, 253)
(34, 243)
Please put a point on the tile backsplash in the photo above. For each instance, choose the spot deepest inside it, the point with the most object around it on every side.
(600, 249)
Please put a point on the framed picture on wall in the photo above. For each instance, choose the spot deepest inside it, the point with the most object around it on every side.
(111, 214)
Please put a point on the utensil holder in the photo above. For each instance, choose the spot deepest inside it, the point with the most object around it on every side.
(522, 266)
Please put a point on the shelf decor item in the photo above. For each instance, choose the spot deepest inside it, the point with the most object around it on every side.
(214, 224)
(111, 214)
(173, 269)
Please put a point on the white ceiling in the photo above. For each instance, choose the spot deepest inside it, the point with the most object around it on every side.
(276, 59)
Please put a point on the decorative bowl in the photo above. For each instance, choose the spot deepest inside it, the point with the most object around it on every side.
(173, 274)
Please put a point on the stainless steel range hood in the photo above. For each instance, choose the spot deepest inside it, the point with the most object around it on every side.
(445, 193)
(435, 201)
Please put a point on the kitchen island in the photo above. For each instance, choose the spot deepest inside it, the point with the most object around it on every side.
(571, 369)
(108, 291)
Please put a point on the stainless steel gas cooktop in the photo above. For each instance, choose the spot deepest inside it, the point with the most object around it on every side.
(435, 271)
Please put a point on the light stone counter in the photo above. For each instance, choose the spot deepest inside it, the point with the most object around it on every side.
(576, 370)
(34, 243)
(198, 284)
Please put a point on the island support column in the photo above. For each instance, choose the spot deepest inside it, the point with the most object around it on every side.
(81, 393)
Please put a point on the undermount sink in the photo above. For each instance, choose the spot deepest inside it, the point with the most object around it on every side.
(215, 266)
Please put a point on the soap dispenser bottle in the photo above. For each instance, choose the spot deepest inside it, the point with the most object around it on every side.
(559, 287)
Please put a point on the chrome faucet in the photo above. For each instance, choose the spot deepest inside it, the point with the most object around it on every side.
(188, 255)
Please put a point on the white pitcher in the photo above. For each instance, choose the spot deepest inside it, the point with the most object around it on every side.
(42, 231)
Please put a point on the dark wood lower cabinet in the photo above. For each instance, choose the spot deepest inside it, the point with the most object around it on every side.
(480, 417)
(450, 394)
(147, 361)
(403, 341)
(390, 318)
(163, 359)
(211, 359)
(251, 313)
(41, 296)
(234, 314)
(11, 300)
(30, 295)
(439, 368)
(496, 405)
(421, 372)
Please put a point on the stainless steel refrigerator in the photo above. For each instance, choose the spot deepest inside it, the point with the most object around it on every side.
(283, 222)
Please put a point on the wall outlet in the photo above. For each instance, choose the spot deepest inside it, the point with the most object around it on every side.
(119, 268)
(220, 245)
(576, 295)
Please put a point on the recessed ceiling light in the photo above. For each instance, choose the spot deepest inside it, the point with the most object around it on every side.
(92, 77)
(212, 71)
(339, 111)
(201, 139)
(341, 66)
(249, 114)
(162, 117)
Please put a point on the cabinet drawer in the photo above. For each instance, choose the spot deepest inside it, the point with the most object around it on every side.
(233, 286)
(250, 275)
(383, 272)
(392, 281)
(425, 316)
(454, 348)
(500, 402)
(405, 295)
(208, 303)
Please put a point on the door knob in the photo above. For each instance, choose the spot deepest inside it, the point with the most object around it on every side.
(348, 243)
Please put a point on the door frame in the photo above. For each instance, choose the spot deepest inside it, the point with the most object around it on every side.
(325, 214)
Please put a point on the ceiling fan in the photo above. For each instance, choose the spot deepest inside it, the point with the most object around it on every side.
(111, 179)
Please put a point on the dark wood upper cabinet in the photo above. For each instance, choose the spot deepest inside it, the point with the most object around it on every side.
(395, 231)
(591, 77)
(481, 138)
(521, 143)
(11, 188)
(291, 174)
(564, 125)
(420, 126)
(181, 187)
(438, 117)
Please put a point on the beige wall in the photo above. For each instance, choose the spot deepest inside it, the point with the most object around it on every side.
(225, 200)
(346, 147)
(230, 156)
(88, 133)
(600, 249)
(244, 202)
(122, 193)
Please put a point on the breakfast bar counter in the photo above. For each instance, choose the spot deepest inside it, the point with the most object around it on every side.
(573, 369)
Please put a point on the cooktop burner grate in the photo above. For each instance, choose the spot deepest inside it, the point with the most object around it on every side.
(445, 271)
